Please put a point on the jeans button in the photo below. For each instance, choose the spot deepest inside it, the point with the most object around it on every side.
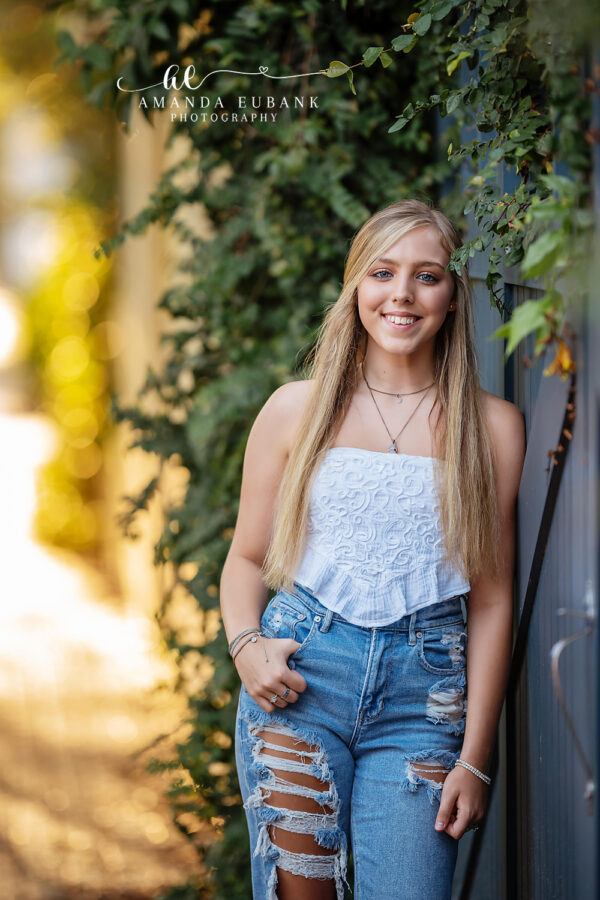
(419, 634)
(317, 618)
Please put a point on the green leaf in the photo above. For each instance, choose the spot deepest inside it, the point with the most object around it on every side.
(404, 42)
(336, 68)
(453, 101)
(547, 210)
(370, 55)
(527, 317)
(452, 64)
(350, 74)
(385, 60)
(398, 125)
(564, 186)
(97, 95)
(542, 253)
(422, 25)
(99, 56)
(160, 30)
(67, 43)
(441, 10)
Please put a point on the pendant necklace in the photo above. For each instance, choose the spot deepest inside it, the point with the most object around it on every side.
(393, 448)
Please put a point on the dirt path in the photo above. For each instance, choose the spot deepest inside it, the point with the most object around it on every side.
(80, 818)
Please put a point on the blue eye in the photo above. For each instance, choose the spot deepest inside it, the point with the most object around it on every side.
(381, 272)
(431, 279)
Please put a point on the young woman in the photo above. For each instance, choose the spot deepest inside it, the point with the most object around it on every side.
(378, 499)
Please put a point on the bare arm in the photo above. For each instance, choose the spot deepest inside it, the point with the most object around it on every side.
(491, 600)
(243, 591)
(489, 632)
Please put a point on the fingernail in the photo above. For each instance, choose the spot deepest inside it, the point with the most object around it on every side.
(439, 824)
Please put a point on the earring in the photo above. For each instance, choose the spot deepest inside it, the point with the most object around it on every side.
(452, 307)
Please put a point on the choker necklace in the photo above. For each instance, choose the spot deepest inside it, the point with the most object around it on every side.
(393, 448)
(399, 396)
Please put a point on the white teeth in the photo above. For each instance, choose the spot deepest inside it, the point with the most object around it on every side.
(402, 320)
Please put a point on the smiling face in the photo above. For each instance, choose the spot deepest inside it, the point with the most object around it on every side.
(406, 294)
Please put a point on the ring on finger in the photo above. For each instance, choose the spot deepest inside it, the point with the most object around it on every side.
(274, 698)
(285, 693)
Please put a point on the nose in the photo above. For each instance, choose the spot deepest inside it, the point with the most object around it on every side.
(403, 289)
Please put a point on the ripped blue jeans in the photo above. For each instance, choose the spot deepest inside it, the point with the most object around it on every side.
(378, 702)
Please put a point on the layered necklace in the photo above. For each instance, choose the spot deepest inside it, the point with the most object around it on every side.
(393, 448)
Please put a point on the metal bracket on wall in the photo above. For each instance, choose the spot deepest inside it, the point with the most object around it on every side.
(589, 614)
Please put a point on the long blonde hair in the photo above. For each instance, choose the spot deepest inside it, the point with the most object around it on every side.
(467, 495)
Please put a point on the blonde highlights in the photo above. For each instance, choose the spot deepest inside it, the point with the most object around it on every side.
(467, 494)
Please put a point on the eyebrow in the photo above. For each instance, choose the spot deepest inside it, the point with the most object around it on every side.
(424, 262)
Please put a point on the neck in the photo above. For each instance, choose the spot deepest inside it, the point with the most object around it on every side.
(398, 374)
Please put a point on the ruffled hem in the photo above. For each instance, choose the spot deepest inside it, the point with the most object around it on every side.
(371, 606)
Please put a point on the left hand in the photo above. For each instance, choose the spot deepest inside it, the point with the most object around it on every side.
(464, 802)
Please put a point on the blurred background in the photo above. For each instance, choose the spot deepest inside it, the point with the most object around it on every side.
(86, 684)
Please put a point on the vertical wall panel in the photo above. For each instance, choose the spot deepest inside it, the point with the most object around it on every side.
(558, 828)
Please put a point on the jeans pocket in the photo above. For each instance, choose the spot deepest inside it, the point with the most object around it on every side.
(286, 616)
(441, 649)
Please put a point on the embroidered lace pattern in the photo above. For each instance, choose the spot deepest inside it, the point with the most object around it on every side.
(374, 550)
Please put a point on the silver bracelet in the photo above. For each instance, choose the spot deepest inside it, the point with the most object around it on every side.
(241, 635)
(253, 637)
(462, 762)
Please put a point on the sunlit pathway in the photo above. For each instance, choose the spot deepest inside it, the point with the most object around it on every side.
(79, 816)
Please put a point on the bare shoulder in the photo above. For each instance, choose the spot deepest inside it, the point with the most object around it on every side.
(265, 459)
(281, 414)
(506, 427)
(504, 419)
(290, 395)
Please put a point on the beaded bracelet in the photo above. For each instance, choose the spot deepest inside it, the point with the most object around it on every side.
(462, 762)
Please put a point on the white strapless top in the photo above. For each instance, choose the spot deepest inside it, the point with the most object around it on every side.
(374, 545)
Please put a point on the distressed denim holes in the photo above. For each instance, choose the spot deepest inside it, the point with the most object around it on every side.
(456, 650)
(428, 768)
(442, 651)
(447, 704)
(298, 806)
(284, 619)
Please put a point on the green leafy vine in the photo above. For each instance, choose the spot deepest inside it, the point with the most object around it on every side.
(510, 74)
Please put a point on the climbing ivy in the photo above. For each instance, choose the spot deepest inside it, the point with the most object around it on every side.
(513, 75)
(282, 202)
(435, 101)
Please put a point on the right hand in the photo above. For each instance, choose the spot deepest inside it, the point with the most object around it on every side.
(264, 679)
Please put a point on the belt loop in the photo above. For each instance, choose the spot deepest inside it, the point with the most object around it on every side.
(463, 603)
(327, 620)
(411, 629)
